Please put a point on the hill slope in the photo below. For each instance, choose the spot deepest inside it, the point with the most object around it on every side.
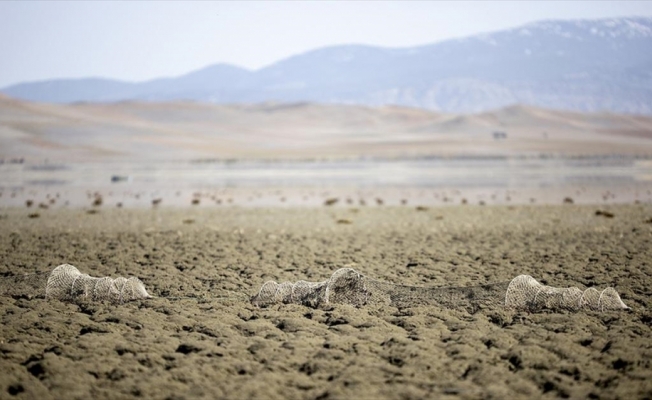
(186, 130)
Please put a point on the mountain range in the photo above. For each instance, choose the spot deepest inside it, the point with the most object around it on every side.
(581, 65)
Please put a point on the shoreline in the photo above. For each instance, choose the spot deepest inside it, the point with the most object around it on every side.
(101, 197)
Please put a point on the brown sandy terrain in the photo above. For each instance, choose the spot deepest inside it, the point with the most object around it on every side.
(223, 347)
(184, 131)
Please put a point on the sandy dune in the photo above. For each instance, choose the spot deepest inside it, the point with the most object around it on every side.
(186, 130)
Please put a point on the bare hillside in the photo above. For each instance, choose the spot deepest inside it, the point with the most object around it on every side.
(187, 130)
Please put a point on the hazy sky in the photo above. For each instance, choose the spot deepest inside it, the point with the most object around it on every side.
(137, 41)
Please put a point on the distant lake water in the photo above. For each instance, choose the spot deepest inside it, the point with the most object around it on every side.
(524, 173)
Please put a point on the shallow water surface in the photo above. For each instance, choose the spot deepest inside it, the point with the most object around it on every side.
(630, 177)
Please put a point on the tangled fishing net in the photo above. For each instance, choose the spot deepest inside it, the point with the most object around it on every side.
(523, 293)
(66, 283)
(345, 286)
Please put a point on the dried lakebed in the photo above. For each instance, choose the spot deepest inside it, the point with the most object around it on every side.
(218, 345)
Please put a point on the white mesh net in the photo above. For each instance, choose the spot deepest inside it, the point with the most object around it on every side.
(66, 283)
(345, 286)
(523, 293)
